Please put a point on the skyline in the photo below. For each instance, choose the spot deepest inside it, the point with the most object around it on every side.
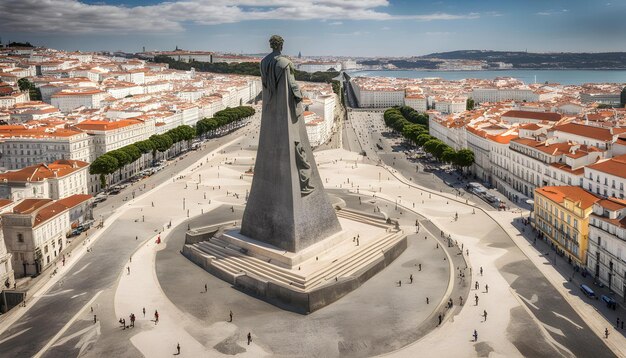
(318, 28)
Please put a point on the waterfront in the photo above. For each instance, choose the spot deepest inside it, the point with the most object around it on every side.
(566, 77)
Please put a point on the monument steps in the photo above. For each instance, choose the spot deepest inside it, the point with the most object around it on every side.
(352, 263)
(362, 218)
(234, 262)
(239, 262)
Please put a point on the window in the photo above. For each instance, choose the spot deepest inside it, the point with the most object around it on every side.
(20, 237)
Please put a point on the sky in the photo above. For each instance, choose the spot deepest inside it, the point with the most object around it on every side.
(357, 28)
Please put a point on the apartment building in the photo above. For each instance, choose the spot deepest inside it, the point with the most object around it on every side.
(607, 244)
(607, 177)
(59, 179)
(35, 230)
(562, 218)
(23, 146)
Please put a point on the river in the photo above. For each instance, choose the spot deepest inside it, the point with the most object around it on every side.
(566, 77)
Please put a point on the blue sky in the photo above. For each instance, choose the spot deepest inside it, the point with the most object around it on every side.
(319, 27)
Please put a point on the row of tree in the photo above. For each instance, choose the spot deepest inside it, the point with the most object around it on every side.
(115, 160)
(225, 117)
(412, 127)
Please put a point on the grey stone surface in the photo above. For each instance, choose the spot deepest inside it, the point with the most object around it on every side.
(287, 206)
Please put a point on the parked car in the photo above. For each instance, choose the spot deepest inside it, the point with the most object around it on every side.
(610, 302)
(587, 291)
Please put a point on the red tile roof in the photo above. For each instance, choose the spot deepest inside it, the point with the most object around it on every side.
(538, 116)
(614, 166)
(558, 194)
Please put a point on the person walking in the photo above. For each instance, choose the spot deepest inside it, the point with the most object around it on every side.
(475, 335)
(481, 270)
(94, 319)
(144, 312)
(399, 283)
(476, 298)
(485, 315)
(249, 338)
(439, 320)
(427, 300)
(124, 323)
(460, 300)
(476, 285)
(178, 348)
(156, 317)
(486, 288)
(206, 289)
(411, 278)
(606, 333)
(230, 315)
(128, 269)
(420, 267)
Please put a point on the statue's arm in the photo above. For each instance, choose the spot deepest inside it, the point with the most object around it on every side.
(295, 89)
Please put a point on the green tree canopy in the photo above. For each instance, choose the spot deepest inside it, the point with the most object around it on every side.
(122, 157)
(145, 146)
(464, 158)
(104, 164)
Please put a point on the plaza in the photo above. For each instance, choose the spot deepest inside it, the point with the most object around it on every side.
(525, 298)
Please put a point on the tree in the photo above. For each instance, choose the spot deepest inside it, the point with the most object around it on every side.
(145, 146)
(430, 145)
(133, 152)
(103, 165)
(464, 158)
(122, 157)
(470, 104)
(448, 155)
(423, 138)
(439, 149)
(26, 85)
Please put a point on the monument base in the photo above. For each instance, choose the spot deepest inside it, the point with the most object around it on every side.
(310, 279)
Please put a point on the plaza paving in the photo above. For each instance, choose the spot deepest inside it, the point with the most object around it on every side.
(529, 305)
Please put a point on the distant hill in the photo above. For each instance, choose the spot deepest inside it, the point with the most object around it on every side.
(602, 60)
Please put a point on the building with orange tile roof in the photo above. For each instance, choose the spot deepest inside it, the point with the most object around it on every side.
(607, 177)
(35, 231)
(607, 244)
(562, 217)
(56, 180)
(23, 145)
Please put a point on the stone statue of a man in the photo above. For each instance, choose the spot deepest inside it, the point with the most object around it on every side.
(273, 67)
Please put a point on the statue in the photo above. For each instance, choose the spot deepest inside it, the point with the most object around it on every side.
(273, 67)
(287, 206)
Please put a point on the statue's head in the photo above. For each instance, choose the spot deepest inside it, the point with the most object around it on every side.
(276, 43)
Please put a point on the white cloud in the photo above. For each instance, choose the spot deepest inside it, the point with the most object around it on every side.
(72, 16)
(336, 23)
(552, 12)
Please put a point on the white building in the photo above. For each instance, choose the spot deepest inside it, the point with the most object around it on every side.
(370, 95)
(22, 146)
(416, 101)
(607, 177)
(70, 99)
(606, 255)
(35, 231)
(56, 180)
(13, 99)
(7, 275)
(480, 95)
(111, 135)
(319, 66)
